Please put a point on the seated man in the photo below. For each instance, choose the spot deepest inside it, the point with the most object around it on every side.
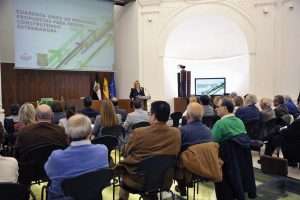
(249, 112)
(156, 139)
(229, 125)
(8, 165)
(195, 132)
(120, 111)
(281, 111)
(42, 132)
(88, 111)
(138, 115)
(79, 158)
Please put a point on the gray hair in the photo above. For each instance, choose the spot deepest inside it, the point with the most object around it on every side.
(78, 127)
(250, 99)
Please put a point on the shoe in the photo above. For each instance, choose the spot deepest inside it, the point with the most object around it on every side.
(182, 191)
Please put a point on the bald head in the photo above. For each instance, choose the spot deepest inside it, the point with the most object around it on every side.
(194, 111)
(79, 127)
(44, 113)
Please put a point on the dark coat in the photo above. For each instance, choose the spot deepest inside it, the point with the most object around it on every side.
(238, 175)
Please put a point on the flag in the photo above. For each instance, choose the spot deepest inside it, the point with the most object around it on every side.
(112, 87)
(105, 89)
(97, 89)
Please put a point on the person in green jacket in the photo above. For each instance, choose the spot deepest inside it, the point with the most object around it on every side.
(229, 125)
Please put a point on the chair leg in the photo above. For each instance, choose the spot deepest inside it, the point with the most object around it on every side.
(32, 195)
(194, 191)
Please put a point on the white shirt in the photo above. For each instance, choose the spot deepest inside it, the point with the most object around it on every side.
(9, 170)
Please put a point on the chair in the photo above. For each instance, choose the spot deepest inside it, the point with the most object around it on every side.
(116, 131)
(31, 166)
(14, 191)
(139, 125)
(176, 116)
(154, 170)
(88, 186)
(209, 121)
(110, 142)
(9, 127)
(254, 129)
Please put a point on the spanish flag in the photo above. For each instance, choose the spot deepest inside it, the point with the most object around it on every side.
(105, 89)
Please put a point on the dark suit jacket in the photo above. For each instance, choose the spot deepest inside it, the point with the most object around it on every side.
(37, 134)
(134, 93)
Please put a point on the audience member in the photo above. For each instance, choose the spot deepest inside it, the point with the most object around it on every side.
(195, 131)
(233, 95)
(107, 118)
(58, 112)
(208, 109)
(281, 111)
(292, 108)
(238, 102)
(42, 132)
(69, 112)
(138, 115)
(190, 100)
(156, 139)
(88, 111)
(120, 111)
(249, 112)
(229, 125)
(280, 108)
(267, 113)
(79, 158)
(9, 166)
(26, 116)
(14, 111)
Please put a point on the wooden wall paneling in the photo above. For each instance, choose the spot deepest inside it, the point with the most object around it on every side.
(22, 85)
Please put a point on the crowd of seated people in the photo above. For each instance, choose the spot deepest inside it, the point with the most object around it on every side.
(219, 144)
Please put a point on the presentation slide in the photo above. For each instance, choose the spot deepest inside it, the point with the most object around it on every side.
(209, 86)
(64, 34)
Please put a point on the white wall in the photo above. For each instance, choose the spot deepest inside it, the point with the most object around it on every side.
(210, 46)
(126, 47)
(270, 27)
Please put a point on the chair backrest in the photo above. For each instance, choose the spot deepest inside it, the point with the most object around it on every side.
(154, 170)
(176, 116)
(9, 125)
(87, 186)
(110, 142)
(209, 121)
(116, 131)
(14, 191)
(32, 163)
(254, 129)
(140, 124)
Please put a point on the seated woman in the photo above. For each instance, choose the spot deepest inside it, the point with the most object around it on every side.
(26, 116)
(107, 118)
